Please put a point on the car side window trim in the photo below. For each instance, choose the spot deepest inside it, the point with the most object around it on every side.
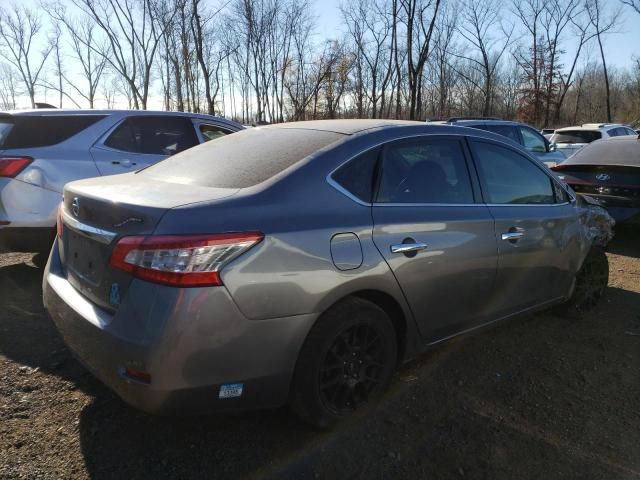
(471, 161)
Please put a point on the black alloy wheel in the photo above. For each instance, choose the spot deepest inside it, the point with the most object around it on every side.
(352, 368)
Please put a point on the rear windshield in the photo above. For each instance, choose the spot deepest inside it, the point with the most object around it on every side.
(575, 136)
(243, 159)
(621, 151)
(26, 131)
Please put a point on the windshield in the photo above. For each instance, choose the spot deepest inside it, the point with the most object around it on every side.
(575, 136)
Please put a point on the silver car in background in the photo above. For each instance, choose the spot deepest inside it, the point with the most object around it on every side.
(41, 150)
(308, 261)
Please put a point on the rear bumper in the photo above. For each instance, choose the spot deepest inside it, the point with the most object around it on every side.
(191, 342)
(26, 205)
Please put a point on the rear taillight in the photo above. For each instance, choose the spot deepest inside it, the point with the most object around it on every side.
(12, 166)
(184, 261)
(59, 224)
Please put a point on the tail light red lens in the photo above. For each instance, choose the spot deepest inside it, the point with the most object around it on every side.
(59, 224)
(183, 261)
(12, 166)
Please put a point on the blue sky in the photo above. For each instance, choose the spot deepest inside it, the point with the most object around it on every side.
(620, 48)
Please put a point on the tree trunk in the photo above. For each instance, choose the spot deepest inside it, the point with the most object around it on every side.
(606, 80)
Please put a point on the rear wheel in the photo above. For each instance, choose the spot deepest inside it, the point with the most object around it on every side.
(347, 360)
(591, 282)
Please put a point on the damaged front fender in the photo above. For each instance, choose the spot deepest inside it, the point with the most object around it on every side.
(597, 222)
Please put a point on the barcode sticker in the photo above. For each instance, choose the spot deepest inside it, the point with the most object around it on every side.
(230, 390)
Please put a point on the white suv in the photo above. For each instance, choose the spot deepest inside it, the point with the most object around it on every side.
(569, 140)
(42, 150)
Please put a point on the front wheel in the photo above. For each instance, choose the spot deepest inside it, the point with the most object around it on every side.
(347, 359)
(591, 282)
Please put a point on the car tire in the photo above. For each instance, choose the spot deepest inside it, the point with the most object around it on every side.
(347, 359)
(591, 282)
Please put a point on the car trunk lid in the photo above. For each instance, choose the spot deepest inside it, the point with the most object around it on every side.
(98, 212)
(615, 185)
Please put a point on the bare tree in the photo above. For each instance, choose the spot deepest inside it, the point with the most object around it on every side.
(370, 31)
(602, 25)
(420, 18)
(557, 16)
(583, 34)
(210, 53)
(8, 87)
(20, 29)
(88, 51)
(529, 12)
(133, 32)
(635, 4)
(480, 21)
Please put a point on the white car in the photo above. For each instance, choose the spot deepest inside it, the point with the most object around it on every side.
(569, 140)
(42, 150)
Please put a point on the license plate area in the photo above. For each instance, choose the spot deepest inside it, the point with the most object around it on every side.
(85, 257)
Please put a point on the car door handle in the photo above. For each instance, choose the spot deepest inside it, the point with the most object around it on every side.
(408, 247)
(511, 236)
(122, 163)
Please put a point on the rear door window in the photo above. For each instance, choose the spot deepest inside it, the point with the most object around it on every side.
(30, 131)
(425, 171)
(532, 140)
(510, 178)
(508, 131)
(211, 132)
(155, 135)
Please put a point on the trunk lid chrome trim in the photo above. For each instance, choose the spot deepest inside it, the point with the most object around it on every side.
(94, 233)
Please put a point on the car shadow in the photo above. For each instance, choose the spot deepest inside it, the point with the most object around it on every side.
(626, 241)
(437, 405)
(447, 407)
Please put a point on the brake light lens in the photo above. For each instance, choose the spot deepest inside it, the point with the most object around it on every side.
(59, 224)
(12, 166)
(183, 261)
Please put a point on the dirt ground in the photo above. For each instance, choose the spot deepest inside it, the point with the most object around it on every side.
(540, 397)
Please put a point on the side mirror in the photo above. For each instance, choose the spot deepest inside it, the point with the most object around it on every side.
(553, 147)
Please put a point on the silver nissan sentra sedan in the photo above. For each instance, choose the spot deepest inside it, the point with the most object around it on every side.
(302, 263)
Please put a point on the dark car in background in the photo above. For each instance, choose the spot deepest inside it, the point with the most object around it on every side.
(609, 171)
(530, 138)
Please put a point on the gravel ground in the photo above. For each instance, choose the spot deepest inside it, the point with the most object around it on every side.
(538, 397)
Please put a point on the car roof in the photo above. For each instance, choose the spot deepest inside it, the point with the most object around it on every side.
(362, 127)
(345, 127)
(84, 111)
(486, 121)
(590, 127)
